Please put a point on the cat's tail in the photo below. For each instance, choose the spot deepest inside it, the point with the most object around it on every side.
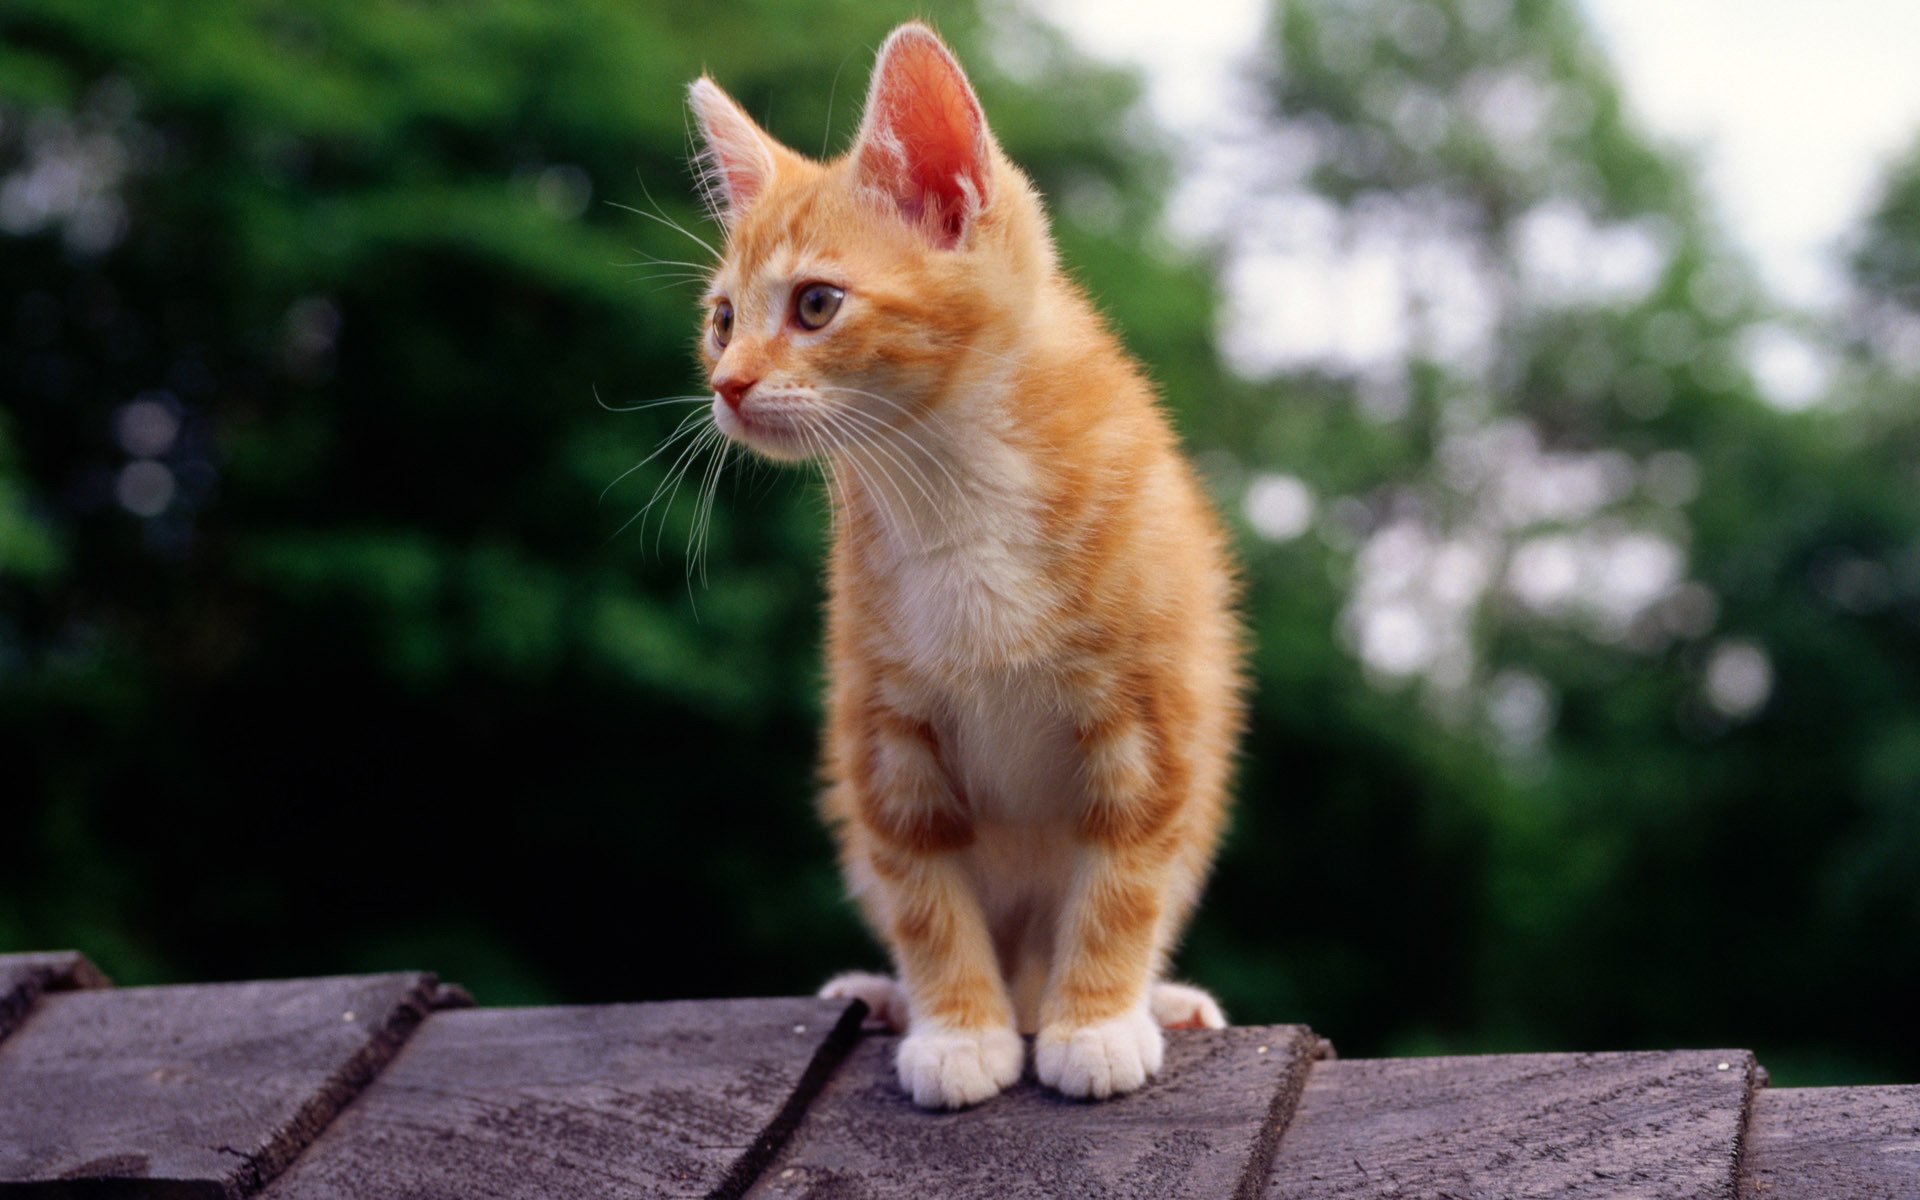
(1184, 1006)
(885, 999)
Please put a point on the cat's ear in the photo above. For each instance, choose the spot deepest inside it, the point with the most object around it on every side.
(737, 161)
(923, 141)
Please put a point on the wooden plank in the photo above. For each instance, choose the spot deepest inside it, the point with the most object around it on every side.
(635, 1100)
(1645, 1125)
(1859, 1143)
(24, 978)
(201, 1091)
(1206, 1126)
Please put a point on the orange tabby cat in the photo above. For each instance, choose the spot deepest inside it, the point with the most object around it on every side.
(1035, 667)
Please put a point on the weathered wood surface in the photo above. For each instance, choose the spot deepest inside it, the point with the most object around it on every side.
(326, 1089)
(635, 1100)
(1651, 1126)
(24, 978)
(199, 1091)
(1206, 1127)
(1859, 1143)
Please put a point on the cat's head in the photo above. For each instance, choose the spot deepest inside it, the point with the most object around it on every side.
(852, 296)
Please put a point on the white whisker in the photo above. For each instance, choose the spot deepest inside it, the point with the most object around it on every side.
(849, 441)
(679, 432)
(643, 405)
(962, 496)
(669, 222)
(859, 440)
(960, 492)
(672, 476)
(709, 437)
(647, 260)
(914, 475)
(703, 513)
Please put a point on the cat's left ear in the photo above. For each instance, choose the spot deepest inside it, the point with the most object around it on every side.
(738, 160)
(923, 141)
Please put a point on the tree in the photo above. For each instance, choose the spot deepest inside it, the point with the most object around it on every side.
(1583, 711)
(323, 650)
(1573, 528)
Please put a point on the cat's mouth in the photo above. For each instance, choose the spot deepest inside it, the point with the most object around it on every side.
(776, 426)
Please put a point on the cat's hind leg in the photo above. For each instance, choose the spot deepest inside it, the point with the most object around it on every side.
(886, 1002)
(1183, 1006)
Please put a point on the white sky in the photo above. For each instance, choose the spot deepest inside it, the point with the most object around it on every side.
(1796, 107)
(1792, 107)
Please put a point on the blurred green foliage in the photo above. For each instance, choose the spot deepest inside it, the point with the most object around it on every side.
(321, 648)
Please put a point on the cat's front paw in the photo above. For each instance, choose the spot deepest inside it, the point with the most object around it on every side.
(1099, 1060)
(952, 1068)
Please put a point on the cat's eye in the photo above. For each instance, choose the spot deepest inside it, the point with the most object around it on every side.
(722, 323)
(815, 304)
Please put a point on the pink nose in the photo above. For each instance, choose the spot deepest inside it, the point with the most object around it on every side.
(733, 389)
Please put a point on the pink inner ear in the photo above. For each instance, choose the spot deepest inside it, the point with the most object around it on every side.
(742, 181)
(928, 113)
(736, 157)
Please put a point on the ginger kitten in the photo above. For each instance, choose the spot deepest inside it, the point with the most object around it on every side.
(1035, 667)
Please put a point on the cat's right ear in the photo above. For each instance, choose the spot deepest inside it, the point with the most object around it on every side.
(737, 161)
(923, 140)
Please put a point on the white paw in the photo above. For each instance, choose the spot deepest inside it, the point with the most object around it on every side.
(886, 1003)
(1183, 1006)
(952, 1068)
(1101, 1060)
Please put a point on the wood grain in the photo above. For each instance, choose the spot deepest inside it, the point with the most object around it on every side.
(1651, 1126)
(201, 1091)
(24, 978)
(1205, 1127)
(330, 1089)
(634, 1100)
(1854, 1143)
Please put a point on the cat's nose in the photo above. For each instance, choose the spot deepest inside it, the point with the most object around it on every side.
(733, 389)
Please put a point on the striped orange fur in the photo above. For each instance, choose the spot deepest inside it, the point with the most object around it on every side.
(1035, 682)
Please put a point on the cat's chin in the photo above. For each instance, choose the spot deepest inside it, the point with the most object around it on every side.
(770, 438)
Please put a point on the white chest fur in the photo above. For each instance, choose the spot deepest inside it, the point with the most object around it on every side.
(970, 620)
(1012, 751)
(961, 608)
(962, 553)
(970, 599)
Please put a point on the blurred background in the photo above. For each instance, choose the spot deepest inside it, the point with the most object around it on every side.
(1582, 528)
